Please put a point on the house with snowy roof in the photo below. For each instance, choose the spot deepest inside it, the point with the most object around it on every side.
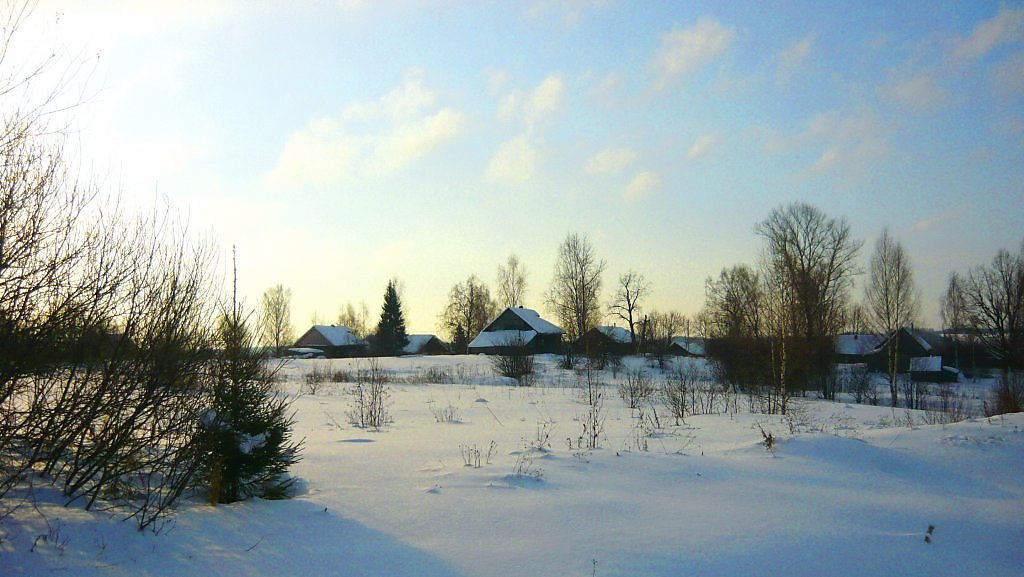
(606, 340)
(686, 347)
(854, 348)
(518, 328)
(425, 345)
(910, 343)
(335, 341)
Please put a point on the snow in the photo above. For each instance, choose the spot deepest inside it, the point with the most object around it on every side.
(925, 364)
(858, 344)
(338, 336)
(849, 490)
(416, 342)
(617, 334)
(501, 339)
(920, 340)
(532, 318)
(690, 345)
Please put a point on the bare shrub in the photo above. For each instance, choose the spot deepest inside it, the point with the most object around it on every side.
(1007, 396)
(368, 396)
(858, 382)
(514, 361)
(447, 414)
(914, 393)
(471, 454)
(637, 389)
(313, 381)
(592, 421)
(542, 437)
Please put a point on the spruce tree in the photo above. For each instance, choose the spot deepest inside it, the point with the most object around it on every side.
(391, 335)
(460, 343)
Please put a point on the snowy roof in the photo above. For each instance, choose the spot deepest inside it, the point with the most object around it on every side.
(858, 344)
(339, 336)
(925, 345)
(617, 334)
(532, 318)
(690, 345)
(925, 364)
(416, 343)
(501, 338)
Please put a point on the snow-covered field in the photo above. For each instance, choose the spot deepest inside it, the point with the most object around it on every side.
(847, 490)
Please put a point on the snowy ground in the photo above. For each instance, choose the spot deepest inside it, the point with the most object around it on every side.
(851, 492)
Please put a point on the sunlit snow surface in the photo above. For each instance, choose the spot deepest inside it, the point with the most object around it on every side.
(852, 492)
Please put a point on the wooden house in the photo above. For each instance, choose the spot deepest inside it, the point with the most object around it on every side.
(605, 340)
(518, 328)
(855, 348)
(425, 345)
(686, 347)
(334, 341)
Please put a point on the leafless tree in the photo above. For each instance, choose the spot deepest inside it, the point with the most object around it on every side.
(734, 303)
(993, 297)
(890, 298)
(511, 283)
(856, 318)
(816, 257)
(625, 304)
(470, 306)
(810, 261)
(276, 318)
(356, 320)
(954, 316)
(574, 295)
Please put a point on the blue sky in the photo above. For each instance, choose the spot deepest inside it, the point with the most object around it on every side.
(338, 144)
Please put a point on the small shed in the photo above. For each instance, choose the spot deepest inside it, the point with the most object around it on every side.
(425, 345)
(605, 340)
(518, 328)
(930, 370)
(335, 341)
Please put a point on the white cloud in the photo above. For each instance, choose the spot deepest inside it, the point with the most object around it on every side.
(920, 93)
(414, 140)
(514, 162)
(539, 103)
(690, 49)
(368, 139)
(940, 218)
(791, 57)
(406, 101)
(644, 184)
(610, 161)
(702, 145)
(1006, 27)
(545, 99)
(849, 144)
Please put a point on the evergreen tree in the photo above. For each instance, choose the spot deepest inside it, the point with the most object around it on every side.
(391, 335)
(246, 432)
(460, 342)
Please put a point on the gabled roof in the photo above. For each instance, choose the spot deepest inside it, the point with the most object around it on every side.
(691, 345)
(502, 339)
(617, 334)
(338, 336)
(532, 318)
(416, 343)
(858, 344)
